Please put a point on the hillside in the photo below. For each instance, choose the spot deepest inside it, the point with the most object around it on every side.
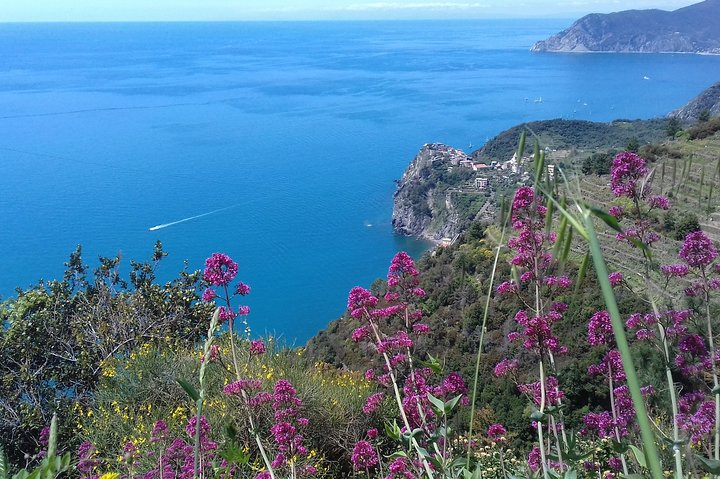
(707, 102)
(692, 29)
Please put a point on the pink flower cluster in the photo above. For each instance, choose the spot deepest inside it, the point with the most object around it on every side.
(626, 172)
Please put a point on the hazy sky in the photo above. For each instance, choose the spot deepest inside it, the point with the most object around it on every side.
(174, 10)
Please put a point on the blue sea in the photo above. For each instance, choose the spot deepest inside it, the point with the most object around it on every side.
(289, 134)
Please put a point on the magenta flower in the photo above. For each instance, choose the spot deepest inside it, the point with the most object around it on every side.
(496, 432)
(242, 289)
(674, 270)
(696, 416)
(616, 278)
(257, 347)
(220, 270)
(373, 403)
(627, 170)
(505, 367)
(247, 385)
(208, 295)
(363, 456)
(600, 329)
(660, 202)
(360, 301)
(698, 250)
(243, 310)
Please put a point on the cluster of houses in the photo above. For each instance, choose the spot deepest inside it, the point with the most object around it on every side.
(458, 158)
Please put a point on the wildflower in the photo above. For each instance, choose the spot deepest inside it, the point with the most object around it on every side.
(626, 171)
(696, 415)
(363, 456)
(661, 202)
(373, 403)
(698, 250)
(372, 433)
(208, 295)
(534, 459)
(496, 432)
(257, 347)
(242, 289)
(506, 287)
(599, 329)
(243, 310)
(159, 431)
(615, 278)
(506, 366)
(225, 314)
(247, 385)
(674, 270)
(360, 301)
(220, 270)
(616, 211)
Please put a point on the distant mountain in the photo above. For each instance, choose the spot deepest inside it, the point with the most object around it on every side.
(692, 29)
(708, 100)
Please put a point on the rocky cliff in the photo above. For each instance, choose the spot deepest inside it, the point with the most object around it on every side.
(423, 205)
(708, 100)
(692, 29)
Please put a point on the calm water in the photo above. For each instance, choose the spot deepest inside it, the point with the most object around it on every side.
(107, 130)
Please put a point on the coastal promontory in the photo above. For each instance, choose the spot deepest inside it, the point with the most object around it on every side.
(692, 29)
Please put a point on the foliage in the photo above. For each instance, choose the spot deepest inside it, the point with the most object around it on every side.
(58, 334)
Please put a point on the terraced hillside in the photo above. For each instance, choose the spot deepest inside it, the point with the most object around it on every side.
(688, 172)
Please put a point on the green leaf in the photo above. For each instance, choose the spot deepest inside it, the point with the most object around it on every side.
(234, 454)
(392, 430)
(4, 466)
(437, 404)
(451, 404)
(433, 364)
(52, 439)
(708, 465)
(536, 415)
(189, 389)
(397, 454)
(607, 218)
(639, 456)
(570, 474)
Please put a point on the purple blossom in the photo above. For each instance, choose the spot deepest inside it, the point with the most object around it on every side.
(496, 432)
(674, 270)
(208, 295)
(696, 416)
(627, 170)
(600, 329)
(257, 347)
(698, 250)
(363, 456)
(615, 278)
(373, 403)
(505, 367)
(220, 270)
(360, 301)
(242, 289)
(661, 202)
(616, 211)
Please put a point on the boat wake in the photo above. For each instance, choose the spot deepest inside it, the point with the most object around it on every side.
(190, 218)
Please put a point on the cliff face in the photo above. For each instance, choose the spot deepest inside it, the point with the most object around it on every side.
(708, 100)
(423, 206)
(692, 29)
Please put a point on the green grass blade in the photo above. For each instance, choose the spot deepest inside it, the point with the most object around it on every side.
(646, 433)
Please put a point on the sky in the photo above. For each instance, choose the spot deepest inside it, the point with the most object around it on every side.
(238, 10)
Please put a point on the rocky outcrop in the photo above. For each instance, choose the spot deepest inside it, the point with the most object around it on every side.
(692, 29)
(708, 100)
(422, 207)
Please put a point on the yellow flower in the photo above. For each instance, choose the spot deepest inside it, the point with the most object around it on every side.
(110, 475)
